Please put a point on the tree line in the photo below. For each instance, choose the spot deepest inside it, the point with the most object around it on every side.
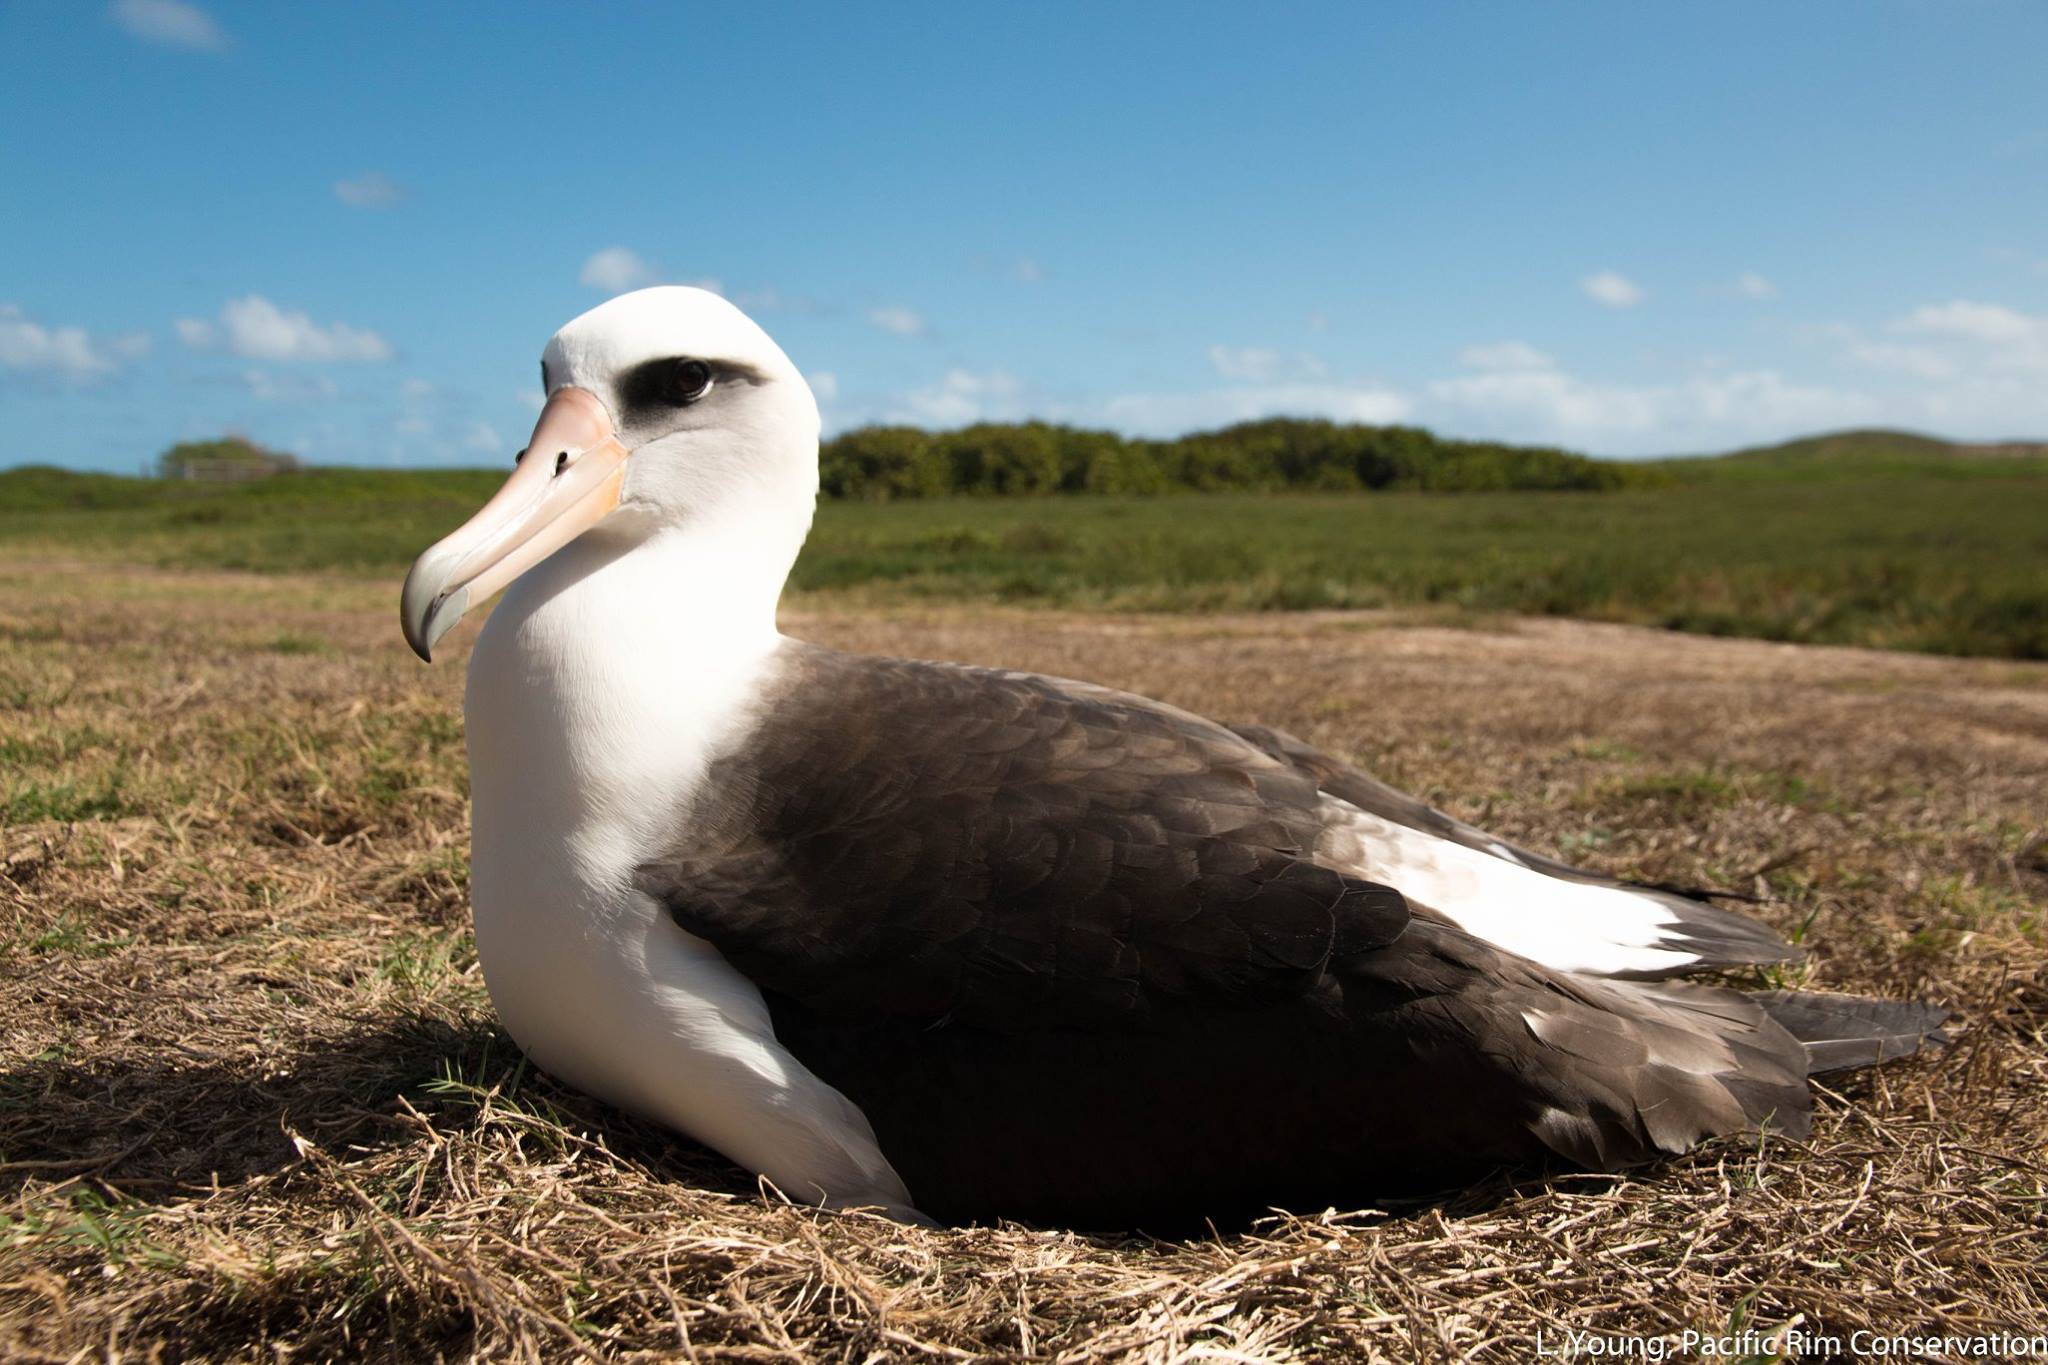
(885, 463)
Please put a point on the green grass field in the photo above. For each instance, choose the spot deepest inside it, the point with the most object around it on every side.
(1903, 548)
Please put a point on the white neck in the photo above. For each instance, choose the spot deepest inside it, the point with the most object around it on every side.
(612, 674)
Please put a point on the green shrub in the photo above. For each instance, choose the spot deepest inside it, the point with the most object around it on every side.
(891, 463)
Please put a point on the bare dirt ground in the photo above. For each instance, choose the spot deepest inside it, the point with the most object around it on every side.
(254, 1104)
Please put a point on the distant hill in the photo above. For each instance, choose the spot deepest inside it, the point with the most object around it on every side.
(1838, 454)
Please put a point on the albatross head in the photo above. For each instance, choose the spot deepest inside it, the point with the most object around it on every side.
(666, 409)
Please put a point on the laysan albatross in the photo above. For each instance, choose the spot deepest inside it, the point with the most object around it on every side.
(957, 942)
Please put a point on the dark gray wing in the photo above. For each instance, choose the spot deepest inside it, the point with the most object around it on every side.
(1007, 850)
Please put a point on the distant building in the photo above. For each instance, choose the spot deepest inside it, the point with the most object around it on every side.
(231, 459)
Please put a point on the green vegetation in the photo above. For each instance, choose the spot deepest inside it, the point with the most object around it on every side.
(889, 464)
(1873, 538)
(352, 520)
(231, 459)
(1952, 566)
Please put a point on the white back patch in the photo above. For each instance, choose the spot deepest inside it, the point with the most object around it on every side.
(1565, 925)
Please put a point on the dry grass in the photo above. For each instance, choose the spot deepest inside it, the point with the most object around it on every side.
(253, 1103)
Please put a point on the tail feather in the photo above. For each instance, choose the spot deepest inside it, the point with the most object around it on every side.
(1843, 1032)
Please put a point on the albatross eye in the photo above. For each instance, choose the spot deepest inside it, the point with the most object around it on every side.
(688, 381)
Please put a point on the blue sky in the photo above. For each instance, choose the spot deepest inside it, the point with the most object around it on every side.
(1629, 228)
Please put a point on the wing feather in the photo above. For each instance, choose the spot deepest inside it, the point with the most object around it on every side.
(930, 838)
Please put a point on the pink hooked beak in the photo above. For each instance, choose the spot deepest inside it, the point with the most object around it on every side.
(568, 479)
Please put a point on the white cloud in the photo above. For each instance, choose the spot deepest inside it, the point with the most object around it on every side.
(170, 23)
(66, 352)
(615, 270)
(1612, 290)
(1963, 369)
(1922, 362)
(1753, 402)
(1963, 337)
(824, 384)
(1028, 271)
(1987, 322)
(415, 389)
(1170, 414)
(482, 436)
(961, 397)
(1319, 322)
(1543, 403)
(1504, 355)
(1979, 406)
(1751, 285)
(898, 321)
(257, 329)
(1705, 410)
(370, 190)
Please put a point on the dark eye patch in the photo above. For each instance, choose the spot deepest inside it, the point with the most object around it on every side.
(657, 384)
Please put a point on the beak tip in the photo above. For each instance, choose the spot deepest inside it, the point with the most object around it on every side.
(425, 612)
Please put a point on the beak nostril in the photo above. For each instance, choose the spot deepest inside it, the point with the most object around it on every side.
(561, 462)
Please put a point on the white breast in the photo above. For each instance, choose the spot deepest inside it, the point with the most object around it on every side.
(593, 717)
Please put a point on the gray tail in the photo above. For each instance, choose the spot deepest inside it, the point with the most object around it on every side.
(1843, 1032)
